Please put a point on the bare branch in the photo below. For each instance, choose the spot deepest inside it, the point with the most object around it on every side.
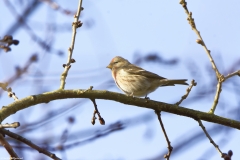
(56, 6)
(8, 147)
(209, 137)
(9, 90)
(101, 120)
(118, 126)
(193, 83)
(21, 21)
(200, 41)
(76, 24)
(236, 73)
(19, 72)
(12, 125)
(12, 94)
(12, 108)
(29, 143)
(170, 148)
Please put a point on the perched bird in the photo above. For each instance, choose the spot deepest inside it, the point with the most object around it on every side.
(135, 81)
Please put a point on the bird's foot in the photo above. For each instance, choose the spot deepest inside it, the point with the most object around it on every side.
(147, 98)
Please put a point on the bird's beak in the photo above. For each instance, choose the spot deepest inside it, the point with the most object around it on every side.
(109, 66)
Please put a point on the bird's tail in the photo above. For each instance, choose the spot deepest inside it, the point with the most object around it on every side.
(172, 82)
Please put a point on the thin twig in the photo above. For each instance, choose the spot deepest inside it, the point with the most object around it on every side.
(9, 90)
(21, 21)
(29, 143)
(12, 94)
(56, 6)
(236, 73)
(8, 147)
(76, 24)
(118, 126)
(170, 148)
(193, 83)
(12, 125)
(101, 120)
(219, 76)
(19, 72)
(209, 137)
(200, 40)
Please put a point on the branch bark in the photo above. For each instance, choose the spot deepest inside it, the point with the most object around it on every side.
(107, 95)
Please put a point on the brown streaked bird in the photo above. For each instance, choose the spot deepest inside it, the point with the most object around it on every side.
(135, 81)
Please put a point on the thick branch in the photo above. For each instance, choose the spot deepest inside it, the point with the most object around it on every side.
(107, 95)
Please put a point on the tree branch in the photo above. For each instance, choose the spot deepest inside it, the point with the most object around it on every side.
(107, 95)
(209, 137)
(76, 24)
(12, 125)
(29, 143)
(193, 83)
(170, 148)
(219, 76)
(8, 147)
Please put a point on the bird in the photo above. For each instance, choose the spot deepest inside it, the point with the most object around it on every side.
(136, 81)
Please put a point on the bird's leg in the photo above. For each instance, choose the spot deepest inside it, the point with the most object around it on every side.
(146, 97)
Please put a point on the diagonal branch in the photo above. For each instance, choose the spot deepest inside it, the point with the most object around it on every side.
(193, 83)
(209, 137)
(8, 147)
(107, 95)
(170, 148)
(29, 143)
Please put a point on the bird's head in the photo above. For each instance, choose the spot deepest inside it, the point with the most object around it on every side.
(117, 62)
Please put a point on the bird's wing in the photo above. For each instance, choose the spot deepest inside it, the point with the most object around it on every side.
(135, 70)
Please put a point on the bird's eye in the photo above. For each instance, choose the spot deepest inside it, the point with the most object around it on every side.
(115, 62)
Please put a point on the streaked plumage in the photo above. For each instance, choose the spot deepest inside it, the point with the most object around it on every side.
(136, 81)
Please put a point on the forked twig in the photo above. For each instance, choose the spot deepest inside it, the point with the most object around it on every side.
(219, 76)
(170, 148)
(101, 120)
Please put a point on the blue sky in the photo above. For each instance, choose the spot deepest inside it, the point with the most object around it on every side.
(128, 29)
